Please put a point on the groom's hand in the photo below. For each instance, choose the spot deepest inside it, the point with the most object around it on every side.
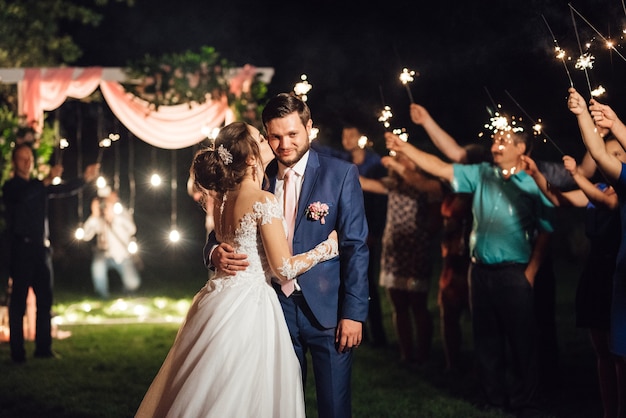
(224, 258)
(349, 334)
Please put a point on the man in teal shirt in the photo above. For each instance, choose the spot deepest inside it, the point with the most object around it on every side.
(510, 233)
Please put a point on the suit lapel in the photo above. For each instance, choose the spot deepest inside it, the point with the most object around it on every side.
(272, 172)
(310, 178)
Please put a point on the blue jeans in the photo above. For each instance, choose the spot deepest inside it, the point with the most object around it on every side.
(100, 267)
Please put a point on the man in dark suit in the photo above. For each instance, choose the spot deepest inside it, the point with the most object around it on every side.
(327, 309)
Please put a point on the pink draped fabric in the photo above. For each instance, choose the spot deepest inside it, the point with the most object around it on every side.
(171, 127)
(48, 90)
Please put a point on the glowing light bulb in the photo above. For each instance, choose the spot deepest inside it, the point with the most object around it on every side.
(155, 180)
(174, 235)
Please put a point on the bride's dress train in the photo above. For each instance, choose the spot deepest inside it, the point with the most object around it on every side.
(232, 356)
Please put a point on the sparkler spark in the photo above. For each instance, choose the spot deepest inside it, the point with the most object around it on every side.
(598, 91)
(302, 88)
(362, 142)
(385, 116)
(403, 135)
(536, 124)
(585, 61)
(406, 77)
(609, 44)
(560, 53)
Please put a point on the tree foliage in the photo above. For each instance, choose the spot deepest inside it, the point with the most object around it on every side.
(31, 36)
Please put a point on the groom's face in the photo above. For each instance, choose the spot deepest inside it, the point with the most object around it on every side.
(289, 138)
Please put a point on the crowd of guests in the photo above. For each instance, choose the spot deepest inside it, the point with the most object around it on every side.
(493, 210)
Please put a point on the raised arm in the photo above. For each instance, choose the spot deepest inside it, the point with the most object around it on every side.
(428, 162)
(372, 185)
(413, 177)
(609, 164)
(440, 138)
(554, 195)
(588, 192)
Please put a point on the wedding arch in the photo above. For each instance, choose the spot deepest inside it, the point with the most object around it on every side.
(168, 127)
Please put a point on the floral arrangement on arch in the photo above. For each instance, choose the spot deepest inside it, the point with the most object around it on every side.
(195, 77)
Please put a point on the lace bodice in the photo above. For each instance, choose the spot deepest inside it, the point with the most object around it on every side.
(246, 239)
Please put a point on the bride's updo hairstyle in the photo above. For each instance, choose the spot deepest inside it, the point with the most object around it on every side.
(223, 166)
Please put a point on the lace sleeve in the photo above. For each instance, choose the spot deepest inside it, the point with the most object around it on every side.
(268, 210)
(273, 230)
(298, 264)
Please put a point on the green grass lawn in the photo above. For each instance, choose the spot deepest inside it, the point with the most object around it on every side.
(105, 369)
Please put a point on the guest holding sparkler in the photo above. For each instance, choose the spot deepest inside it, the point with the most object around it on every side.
(595, 285)
(506, 251)
(545, 281)
(413, 219)
(456, 210)
(589, 120)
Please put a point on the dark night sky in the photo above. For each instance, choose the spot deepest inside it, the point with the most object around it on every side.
(352, 52)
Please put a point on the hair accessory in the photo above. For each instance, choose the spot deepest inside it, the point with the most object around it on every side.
(225, 155)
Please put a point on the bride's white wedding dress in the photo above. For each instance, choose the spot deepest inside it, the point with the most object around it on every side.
(233, 356)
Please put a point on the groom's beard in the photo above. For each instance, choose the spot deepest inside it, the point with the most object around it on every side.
(292, 159)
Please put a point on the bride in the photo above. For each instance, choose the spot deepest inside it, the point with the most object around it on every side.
(233, 356)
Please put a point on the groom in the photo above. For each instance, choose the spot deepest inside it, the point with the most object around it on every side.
(326, 310)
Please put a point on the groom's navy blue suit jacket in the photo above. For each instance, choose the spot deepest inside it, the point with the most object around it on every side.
(337, 288)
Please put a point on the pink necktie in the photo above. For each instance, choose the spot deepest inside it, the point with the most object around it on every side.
(289, 197)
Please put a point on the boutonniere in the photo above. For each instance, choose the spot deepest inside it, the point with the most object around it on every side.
(317, 211)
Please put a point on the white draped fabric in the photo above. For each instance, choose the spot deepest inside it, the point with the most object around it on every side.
(170, 127)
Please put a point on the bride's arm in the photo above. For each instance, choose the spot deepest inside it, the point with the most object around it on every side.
(284, 265)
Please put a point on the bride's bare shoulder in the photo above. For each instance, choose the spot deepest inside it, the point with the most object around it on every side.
(257, 197)
(265, 196)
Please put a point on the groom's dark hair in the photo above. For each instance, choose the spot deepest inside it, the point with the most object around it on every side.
(285, 104)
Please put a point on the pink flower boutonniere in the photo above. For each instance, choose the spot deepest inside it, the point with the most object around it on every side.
(317, 211)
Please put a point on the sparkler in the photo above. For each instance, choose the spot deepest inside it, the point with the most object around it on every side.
(537, 128)
(385, 116)
(302, 88)
(560, 53)
(106, 143)
(403, 135)
(598, 91)
(582, 62)
(406, 77)
(363, 142)
(609, 44)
